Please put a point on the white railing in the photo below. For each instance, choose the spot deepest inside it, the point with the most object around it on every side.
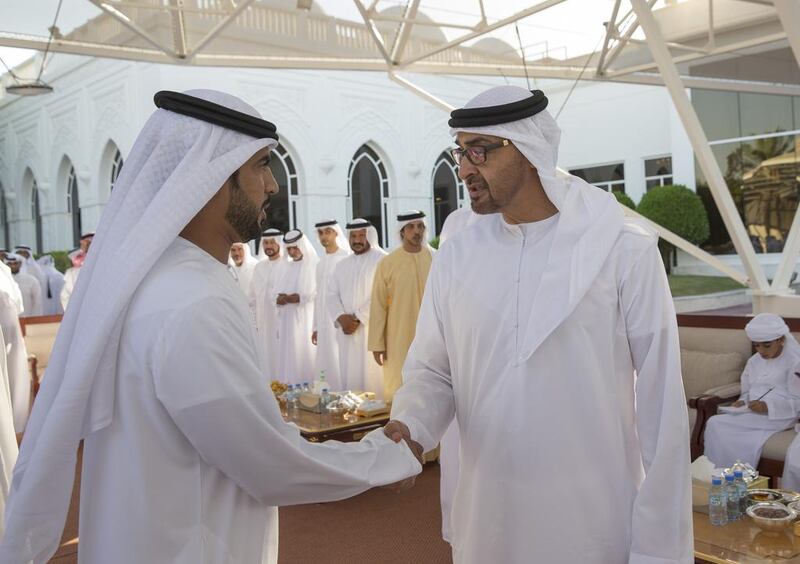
(329, 35)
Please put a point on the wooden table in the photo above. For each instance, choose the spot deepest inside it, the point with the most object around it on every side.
(318, 428)
(741, 542)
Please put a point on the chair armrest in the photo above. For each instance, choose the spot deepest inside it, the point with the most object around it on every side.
(732, 390)
(706, 406)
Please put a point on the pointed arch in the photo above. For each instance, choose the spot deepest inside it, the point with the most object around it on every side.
(282, 212)
(447, 188)
(111, 162)
(4, 218)
(31, 187)
(368, 189)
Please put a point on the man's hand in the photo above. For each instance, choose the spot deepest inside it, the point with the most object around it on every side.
(380, 357)
(758, 406)
(281, 299)
(737, 403)
(314, 338)
(348, 323)
(398, 431)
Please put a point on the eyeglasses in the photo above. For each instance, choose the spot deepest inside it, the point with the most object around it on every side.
(476, 154)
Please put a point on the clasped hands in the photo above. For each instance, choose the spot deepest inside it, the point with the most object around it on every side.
(755, 406)
(398, 431)
(348, 322)
(284, 299)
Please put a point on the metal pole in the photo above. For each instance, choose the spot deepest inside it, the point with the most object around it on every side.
(178, 28)
(483, 30)
(405, 30)
(373, 31)
(232, 15)
(611, 30)
(131, 25)
(789, 14)
(424, 94)
(705, 158)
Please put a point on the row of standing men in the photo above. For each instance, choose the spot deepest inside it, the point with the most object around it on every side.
(349, 314)
(30, 288)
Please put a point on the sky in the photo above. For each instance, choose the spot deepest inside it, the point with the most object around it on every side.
(566, 30)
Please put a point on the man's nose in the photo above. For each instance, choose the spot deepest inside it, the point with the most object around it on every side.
(271, 185)
(466, 168)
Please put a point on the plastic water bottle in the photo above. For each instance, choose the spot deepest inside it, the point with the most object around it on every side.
(294, 401)
(732, 495)
(324, 400)
(717, 503)
(741, 486)
(306, 389)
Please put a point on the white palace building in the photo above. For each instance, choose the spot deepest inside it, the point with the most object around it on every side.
(356, 144)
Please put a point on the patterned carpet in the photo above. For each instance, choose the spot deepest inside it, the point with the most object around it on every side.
(376, 527)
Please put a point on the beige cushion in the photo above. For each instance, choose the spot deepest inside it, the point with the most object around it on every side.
(714, 340)
(705, 370)
(39, 339)
(777, 445)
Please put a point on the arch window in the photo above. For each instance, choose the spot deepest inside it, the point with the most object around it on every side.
(448, 189)
(116, 168)
(282, 212)
(4, 218)
(74, 206)
(368, 185)
(36, 216)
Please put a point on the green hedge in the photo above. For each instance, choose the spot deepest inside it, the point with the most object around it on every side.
(678, 209)
(624, 199)
(60, 259)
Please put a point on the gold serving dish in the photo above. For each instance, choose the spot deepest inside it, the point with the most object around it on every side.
(771, 516)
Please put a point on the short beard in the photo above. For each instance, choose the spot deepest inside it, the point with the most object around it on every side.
(241, 214)
(488, 206)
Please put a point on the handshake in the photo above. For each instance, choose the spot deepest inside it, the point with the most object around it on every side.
(397, 432)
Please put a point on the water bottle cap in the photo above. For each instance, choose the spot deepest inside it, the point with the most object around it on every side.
(716, 480)
(729, 477)
(324, 390)
(738, 473)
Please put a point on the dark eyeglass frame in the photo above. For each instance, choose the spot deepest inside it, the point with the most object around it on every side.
(476, 154)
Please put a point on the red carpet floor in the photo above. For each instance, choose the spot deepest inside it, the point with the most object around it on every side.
(376, 527)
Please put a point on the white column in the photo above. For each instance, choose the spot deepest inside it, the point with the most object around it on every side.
(789, 14)
(722, 197)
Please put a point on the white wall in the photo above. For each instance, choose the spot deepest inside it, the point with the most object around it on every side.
(322, 117)
(605, 123)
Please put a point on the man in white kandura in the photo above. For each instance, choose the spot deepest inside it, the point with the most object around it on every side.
(16, 354)
(323, 333)
(770, 397)
(158, 368)
(51, 295)
(349, 298)
(242, 263)
(533, 325)
(8, 439)
(28, 285)
(293, 295)
(29, 264)
(77, 257)
(260, 299)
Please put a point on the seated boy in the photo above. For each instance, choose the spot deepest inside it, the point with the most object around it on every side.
(770, 389)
